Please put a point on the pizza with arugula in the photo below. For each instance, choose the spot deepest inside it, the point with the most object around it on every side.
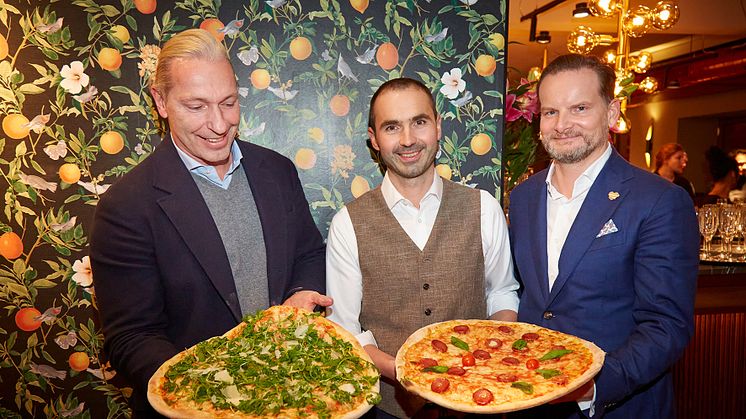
(485, 366)
(281, 362)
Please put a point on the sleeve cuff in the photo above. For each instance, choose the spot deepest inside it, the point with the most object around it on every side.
(589, 405)
(366, 338)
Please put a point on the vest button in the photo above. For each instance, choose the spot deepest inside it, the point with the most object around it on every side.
(548, 315)
(428, 312)
(425, 286)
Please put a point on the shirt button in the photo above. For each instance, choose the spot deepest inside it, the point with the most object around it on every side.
(419, 220)
(428, 312)
(425, 286)
(548, 315)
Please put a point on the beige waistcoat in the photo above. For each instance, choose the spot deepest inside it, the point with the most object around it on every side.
(405, 288)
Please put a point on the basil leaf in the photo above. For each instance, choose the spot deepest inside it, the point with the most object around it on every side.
(520, 345)
(459, 343)
(554, 354)
(523, 386)
(547, 374)
(436, 368)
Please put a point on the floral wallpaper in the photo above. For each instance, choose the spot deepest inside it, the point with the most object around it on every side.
(76, 116)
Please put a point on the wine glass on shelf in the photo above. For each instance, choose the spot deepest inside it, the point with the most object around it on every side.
(728, 222)
(708, 225)
(739, 253)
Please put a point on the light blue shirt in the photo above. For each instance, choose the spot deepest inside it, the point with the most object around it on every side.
(208, 172)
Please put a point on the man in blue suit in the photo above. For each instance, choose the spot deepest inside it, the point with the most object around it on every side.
(206, 230)
(604, 251)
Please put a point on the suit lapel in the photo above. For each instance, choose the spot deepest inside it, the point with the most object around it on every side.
(538, 237)
(596, 210)
(187, 210)
(272, 216)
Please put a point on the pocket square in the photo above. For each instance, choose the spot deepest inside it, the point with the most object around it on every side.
(608, 228)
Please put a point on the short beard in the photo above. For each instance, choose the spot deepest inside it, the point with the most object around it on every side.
(587, 147)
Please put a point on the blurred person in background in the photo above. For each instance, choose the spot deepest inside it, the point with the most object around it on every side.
(670, 163)
(739, 193)
(724, 172)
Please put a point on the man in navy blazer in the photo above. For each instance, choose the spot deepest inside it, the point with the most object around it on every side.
(604, 250)
(163, 272)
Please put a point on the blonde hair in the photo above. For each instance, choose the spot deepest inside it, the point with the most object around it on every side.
(189, 44)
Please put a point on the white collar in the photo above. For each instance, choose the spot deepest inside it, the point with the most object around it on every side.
(393, 197)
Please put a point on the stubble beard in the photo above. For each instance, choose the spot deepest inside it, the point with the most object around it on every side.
(591, 142)
(409, 171)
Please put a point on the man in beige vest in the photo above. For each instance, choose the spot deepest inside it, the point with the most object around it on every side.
(418, 249)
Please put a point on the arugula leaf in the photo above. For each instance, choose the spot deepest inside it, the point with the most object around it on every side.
(548, 373)
(523, 386)
(459, 343)
(554, 354)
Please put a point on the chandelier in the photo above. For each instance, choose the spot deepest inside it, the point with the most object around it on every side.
(632, 23)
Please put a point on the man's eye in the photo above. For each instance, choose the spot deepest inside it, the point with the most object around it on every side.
(548, 113)
(581, 108)
(229, 104)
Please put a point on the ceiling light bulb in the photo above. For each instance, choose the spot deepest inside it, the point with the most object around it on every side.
(581, 40)
(603, 8)
(581, 10)
(610, 56)
(534, 73)
(543, 37)
(641, 62)
(665, 14)
(637, 21)
(649, 85)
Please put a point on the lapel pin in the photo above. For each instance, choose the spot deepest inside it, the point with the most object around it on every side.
(613, 195)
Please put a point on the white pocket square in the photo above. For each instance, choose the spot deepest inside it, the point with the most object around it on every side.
(608, 228)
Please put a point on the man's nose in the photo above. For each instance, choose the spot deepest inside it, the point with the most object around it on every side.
(407, 138)
(217, 121)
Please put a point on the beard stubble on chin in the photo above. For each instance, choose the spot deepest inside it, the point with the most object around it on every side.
(590, 143)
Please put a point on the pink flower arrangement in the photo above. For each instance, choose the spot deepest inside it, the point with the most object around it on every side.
(521, 105)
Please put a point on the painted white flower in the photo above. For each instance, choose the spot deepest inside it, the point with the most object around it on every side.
(55, 151)
(67, 341)
(73, 77)
(83, 275)
(453, 84)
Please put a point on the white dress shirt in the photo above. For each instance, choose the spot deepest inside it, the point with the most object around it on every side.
(344, 281)
(561, 213)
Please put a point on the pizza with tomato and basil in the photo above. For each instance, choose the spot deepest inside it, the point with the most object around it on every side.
(485, 366)
(281, 362)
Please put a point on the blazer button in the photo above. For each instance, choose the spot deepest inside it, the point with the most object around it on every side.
(548, 315)
(425, 286)
(428, 312)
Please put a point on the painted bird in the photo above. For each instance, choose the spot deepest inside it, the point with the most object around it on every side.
(283, 93)
(97, 188)
(46, 371)
(38, 123)
(88, 95)
(437, 37)
(103, 373)
(231, 29)
(75, 411)
(251, 132)
(463, 100)
(276, 3)
(344, 69)
(51, 28)
(49, 315)
(37, 182)
(67, 225)
(367, 56)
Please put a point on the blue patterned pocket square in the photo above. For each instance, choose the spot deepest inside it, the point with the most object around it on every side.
(608, 228)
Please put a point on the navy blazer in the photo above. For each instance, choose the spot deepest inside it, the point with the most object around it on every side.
(631, 292)
(161, 274)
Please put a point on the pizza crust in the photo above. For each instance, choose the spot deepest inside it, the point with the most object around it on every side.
(438, 398)
(193, 411)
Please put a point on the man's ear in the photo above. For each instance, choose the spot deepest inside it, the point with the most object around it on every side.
(614, 111)
(160, 102)
(372, 138)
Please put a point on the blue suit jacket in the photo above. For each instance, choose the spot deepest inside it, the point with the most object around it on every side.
(631, 292)
(161, 274)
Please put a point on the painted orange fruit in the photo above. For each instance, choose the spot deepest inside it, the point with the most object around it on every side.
(3, 47)
(145, 7)
(359, 5)
(27, 319)
(260, 78)
(443, 170)
(111, 142)
(109, 59)
(387, 56)
(121, 33)
(13, 126)
(485, 65)
(300, 48)
(305, 158)
(11, 245)
(79, 361)
(481, 144)
(340, 105)
(69, 173)
(212, 25)
(359, 186)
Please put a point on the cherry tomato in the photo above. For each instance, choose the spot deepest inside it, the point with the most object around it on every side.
(440, 385)
(480, 354)
(532, 364)
(428, 362)
(468, 360)
(439, 346)
(456, 371)
(462, 328)
(482, 396)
